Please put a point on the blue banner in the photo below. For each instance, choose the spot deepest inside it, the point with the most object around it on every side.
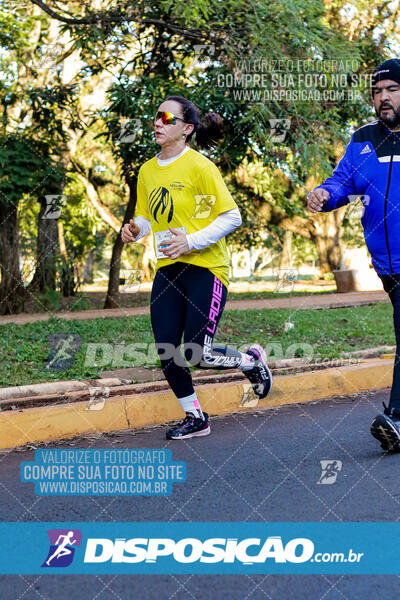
(192, 547)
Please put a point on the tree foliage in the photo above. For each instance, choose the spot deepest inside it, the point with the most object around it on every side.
(114, 62)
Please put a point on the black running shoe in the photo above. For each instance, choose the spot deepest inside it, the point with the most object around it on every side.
(386, 429)
(260, 375)
(191, 426)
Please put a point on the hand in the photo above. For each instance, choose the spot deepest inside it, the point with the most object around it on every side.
(129, 231)
(316, 200)
(179, 245)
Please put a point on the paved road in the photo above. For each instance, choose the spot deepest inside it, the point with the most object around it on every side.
(262, 466)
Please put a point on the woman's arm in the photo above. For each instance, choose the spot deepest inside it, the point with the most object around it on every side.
(221, 226)
(134, 230)
(144, 226)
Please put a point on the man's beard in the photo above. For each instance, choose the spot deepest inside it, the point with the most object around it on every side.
(391, 120)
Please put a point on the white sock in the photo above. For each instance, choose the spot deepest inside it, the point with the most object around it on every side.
(190, 404)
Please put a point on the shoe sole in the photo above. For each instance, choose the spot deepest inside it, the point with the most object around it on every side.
(201, 433)
(386, 433)
(263, 358)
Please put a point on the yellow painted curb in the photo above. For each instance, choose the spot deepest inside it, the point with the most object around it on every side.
(47, 423)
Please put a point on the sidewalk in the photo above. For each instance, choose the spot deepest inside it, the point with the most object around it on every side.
(294, 303)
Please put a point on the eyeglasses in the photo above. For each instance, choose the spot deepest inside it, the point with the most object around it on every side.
(167, 118)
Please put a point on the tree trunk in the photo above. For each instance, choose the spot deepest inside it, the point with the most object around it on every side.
(286, 255)
(12, 292)
(324, 229)
(328, 239)
(112, 297)
(67, 273)
(88, 267)
(46, 251)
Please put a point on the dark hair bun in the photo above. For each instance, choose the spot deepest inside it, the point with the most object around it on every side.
(210, 130)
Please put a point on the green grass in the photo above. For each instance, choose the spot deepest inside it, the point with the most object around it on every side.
(330, 331)
(274, 295)
(53, 301)
(24, 349)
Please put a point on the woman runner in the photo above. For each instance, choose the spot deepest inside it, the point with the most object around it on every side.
(183, 199)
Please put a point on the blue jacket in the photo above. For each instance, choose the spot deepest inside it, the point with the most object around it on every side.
(371, 167)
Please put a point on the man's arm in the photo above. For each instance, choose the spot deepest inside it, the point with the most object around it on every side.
(335, 190)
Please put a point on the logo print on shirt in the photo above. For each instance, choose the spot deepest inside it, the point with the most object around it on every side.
(159, 199)
(204, 204)
(366, 150)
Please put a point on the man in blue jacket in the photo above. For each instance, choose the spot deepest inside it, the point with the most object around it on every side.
(371, 167)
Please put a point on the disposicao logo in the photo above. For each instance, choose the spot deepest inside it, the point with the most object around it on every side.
(190, 550)
(62, 547)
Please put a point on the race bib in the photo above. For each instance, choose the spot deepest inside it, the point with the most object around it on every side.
(163, 236)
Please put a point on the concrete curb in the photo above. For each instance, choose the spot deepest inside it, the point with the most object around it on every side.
(119, 378)
(53, 387)
(66, 387)
(135, 410)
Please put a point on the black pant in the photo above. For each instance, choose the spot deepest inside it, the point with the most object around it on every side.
(391, 284)
(188, 300)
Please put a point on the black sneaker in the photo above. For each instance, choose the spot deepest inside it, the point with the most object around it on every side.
(260, 376)
(191, 426)
(386, 429)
